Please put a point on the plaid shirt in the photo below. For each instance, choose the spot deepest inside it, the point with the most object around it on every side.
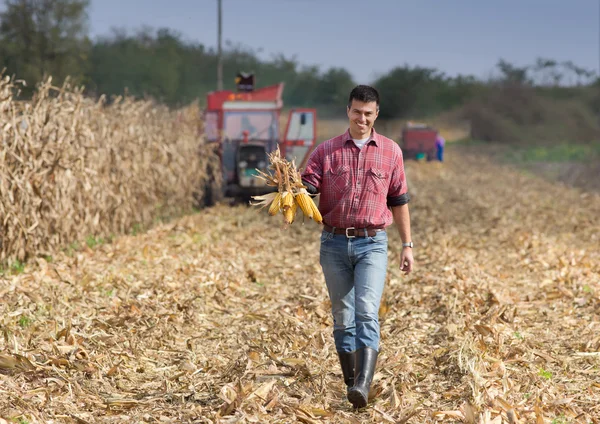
(355, 184)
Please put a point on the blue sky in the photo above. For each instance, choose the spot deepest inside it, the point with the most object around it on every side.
(370, 37)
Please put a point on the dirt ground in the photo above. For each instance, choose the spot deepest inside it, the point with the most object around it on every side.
(222, 316)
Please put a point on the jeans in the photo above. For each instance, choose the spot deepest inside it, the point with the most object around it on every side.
(440, 153)
(354, 270)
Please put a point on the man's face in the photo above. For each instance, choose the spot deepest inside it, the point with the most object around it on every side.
(362, 117)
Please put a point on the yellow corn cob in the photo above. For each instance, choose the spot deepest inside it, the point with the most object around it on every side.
(275, 205)
(287, 200)
(290, 213)
(304, 201)
(316, 214)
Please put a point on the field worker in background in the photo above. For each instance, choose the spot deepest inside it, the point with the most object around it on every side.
(360, 176)
(440, 142)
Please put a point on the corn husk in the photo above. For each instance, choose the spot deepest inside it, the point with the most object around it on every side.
(291, 192)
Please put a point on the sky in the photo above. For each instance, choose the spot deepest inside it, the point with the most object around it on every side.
(370, 37)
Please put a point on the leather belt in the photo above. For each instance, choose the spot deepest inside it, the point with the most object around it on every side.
(352, 231)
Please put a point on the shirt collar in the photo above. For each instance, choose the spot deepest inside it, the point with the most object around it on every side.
(374, 137)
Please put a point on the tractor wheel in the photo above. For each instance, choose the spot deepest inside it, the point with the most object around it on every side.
(213, 193)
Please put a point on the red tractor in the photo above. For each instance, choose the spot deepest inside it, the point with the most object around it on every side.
(245, 126)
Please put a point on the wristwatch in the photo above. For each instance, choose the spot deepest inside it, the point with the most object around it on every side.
(409, 244)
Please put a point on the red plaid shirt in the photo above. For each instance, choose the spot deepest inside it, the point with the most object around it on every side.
(354, 183)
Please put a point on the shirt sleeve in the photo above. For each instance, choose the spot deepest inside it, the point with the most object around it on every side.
(398, 191)
(313, 173)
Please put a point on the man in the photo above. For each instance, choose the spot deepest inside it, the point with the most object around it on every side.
(360, 176)
(440, 142)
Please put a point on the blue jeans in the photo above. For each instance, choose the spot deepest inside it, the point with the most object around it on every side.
(354, 270)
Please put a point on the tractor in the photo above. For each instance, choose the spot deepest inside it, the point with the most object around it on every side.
(245, 127)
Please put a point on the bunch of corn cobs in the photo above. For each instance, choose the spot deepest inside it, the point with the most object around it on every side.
(290, 194)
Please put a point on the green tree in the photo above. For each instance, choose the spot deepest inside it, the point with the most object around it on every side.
(406, 90)
(146, 65)
(334, 87)
(40, 38)
(518, 75)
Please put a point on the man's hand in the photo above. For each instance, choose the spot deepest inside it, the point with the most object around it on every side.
(406, 260)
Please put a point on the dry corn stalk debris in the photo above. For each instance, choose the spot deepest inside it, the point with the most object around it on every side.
(217, 318)
(291, 193)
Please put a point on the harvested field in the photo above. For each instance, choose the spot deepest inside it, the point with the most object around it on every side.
(222, 316)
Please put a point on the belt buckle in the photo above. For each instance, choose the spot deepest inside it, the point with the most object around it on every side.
(348, 235)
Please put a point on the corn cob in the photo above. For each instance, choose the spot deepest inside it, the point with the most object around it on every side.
(315, 212)
(291, 193)
(275, 205)
(304, 200)
(290, 213)
(287, 200)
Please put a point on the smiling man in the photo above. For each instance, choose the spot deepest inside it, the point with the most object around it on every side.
(360, 176)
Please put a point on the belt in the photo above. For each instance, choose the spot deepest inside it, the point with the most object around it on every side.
(352, 232)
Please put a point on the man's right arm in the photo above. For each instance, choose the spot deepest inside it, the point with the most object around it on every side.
(313, 173)
(310, 188)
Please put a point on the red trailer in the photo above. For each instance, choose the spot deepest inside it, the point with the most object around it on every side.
(419, 141)
(245, 125)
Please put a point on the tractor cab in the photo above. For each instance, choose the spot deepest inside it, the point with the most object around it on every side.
(245, 125)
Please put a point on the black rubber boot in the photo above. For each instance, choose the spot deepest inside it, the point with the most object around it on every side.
(366, 360)
(347, 362)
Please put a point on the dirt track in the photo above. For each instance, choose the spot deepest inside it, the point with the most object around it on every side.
(223, 317)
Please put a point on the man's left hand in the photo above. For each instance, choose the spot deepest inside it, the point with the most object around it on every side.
(406, 260)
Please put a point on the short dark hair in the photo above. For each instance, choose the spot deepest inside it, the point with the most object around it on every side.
(365, 94)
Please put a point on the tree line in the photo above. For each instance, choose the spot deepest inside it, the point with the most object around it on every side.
(39, 38)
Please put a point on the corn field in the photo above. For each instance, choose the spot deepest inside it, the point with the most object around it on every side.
(73, 168)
